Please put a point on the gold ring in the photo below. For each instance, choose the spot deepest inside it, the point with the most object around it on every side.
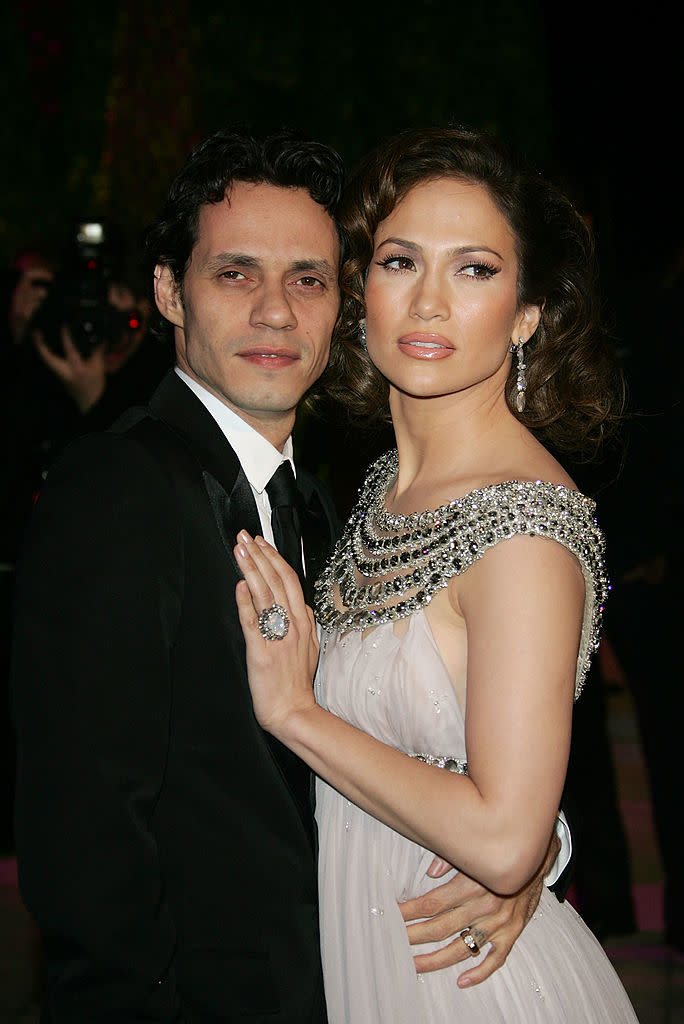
(470, 942)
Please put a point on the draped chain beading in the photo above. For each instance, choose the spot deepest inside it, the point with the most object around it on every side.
(387, 566)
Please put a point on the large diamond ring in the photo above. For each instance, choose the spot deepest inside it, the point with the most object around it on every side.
(470, 942)
(274, 622)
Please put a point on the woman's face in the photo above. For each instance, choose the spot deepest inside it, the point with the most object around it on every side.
(441, 292)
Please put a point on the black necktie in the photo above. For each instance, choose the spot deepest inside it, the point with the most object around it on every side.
(282, 494)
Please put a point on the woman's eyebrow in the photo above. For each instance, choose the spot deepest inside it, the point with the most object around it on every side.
(459, 250)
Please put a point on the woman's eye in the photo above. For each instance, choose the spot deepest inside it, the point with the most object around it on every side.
(478, 270)
(397, 263)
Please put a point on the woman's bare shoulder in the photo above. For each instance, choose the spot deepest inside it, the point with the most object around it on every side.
(531, 461)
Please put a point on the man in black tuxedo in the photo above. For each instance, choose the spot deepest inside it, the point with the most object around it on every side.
(166, 846)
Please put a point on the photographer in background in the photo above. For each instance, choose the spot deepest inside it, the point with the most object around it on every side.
(76, 353)
(91, 334)
(62, 380)
(115, 373)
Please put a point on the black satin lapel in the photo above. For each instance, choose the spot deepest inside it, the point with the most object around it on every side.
(243, 514)
(181, 410)
(233, 512)
(317, 539)
(234, 508)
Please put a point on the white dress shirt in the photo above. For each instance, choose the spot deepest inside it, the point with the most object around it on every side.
(258, 457)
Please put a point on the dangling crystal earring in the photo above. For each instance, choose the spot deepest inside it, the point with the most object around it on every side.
(522, 381)
(362, 335)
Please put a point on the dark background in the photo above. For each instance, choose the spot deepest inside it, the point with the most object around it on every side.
(101, 103)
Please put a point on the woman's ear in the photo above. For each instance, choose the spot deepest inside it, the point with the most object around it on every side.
(167, 296)
(527, 322)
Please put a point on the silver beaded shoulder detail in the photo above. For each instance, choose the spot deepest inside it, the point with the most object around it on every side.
(386, 567)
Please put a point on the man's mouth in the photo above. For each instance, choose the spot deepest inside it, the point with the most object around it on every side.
(273, 358)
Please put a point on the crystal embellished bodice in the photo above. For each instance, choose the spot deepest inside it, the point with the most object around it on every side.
(387, 566)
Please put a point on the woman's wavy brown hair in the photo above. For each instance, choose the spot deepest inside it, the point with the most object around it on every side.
(575, 389)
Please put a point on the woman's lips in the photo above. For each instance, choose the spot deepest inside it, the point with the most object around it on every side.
(425, 346)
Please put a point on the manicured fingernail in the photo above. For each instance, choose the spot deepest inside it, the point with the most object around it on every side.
(438, 865)
(244, 537)
(261, 542)
(241, 551)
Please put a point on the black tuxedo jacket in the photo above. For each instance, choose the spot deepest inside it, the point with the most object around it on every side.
(161, 851)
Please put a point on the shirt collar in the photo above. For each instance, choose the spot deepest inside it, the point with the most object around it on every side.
(258, 457)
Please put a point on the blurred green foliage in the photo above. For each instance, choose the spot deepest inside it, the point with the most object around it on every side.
(102, 103)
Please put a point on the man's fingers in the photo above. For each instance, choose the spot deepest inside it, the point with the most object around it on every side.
(56, 363)
(455, 953)
(429, 905)
(495, 923)
(439, 868)
(436, 929)
(457, 893)
(70, 351)
(492, 962)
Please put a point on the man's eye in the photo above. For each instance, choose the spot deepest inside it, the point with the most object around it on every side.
(231, 275)
(310, 282)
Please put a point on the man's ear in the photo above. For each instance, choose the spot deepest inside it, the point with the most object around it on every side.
(167, 296)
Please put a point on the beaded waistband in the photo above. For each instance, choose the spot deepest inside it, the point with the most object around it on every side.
(452, 764)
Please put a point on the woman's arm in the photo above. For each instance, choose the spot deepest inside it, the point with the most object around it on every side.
(522, 604)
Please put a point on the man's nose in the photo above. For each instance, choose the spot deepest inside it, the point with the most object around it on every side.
(273, 308)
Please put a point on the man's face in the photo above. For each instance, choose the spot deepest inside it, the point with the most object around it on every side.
(258, 302)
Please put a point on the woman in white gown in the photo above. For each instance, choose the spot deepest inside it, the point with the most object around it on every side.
(453, 640)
